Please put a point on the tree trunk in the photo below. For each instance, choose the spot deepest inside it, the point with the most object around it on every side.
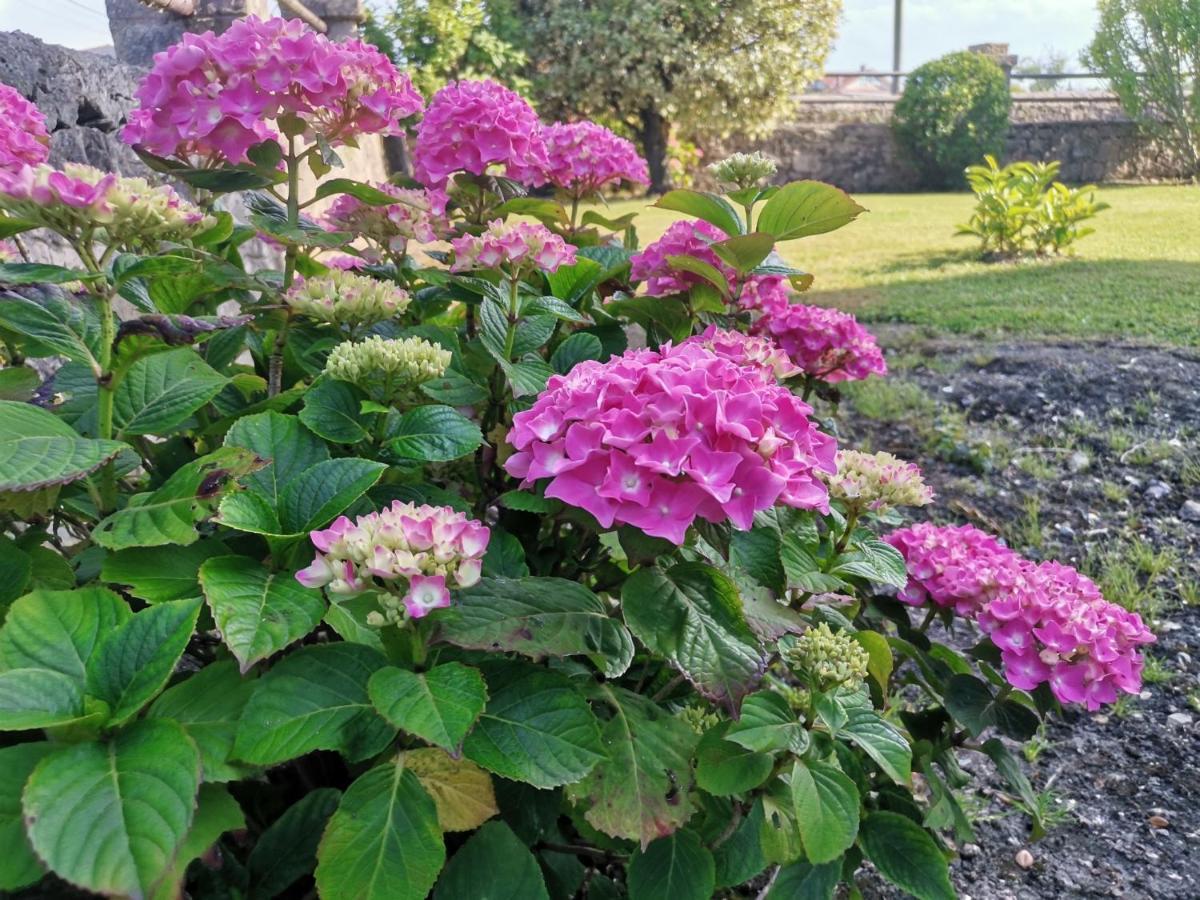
(654, 133)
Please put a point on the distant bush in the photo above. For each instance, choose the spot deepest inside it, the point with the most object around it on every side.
(953, 111)
(1023, 211)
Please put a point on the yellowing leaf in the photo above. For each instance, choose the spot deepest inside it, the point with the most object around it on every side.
(461, 790)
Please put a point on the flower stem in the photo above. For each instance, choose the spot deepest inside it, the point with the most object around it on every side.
(275, 367)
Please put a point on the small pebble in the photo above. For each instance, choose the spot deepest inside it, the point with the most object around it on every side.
(1024, 859)
(1159, 822)
(969, 851)
(1157, 490)
(1078, 462)
(1179, 720)
(1190, 511)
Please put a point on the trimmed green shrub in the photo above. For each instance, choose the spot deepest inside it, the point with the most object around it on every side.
(953, 111)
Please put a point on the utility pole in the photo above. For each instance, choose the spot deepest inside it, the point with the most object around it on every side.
(897, 17)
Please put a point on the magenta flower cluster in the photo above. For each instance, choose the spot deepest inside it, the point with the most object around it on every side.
(687, 237)
(512, 247)
(825, 343)
(584, 157)
(656, 439)
(23, 137)
(473, 125)
(416, 550)
(1050, 623)
(750, 350)
(215, 96)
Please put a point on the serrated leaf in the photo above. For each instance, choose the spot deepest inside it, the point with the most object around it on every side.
(705, 270)
(59, 630)
(881, 741)
(879, 653)
(158, 574)
(438, 706)
(744, 251)
(873, 559)
(39, 698)
(536, 728)
(575, 349)
(827, 809)
(287, 850)
(161, 391)
(454, 389)
(710, 207)
(314, 699)
(109, 817)
(169, 514)
(434, 434)
(803, 881)
(38, 450)
(640, 791)
(331, 411)
(132, 664)
(18, 864)
(538, 617)
(906, 855)
(383, 841)
(208, 704)
(287, 447)
(724, 768)
(372, 196)
(1012, 771)
(216, 813)
(57, 325)
(676, 867)
(805, 208)
(462, 792)
(259, 612)
(740, 858)
(692, 615)
(572, 283)
(315, 497)
(492, 856)
(768, 724)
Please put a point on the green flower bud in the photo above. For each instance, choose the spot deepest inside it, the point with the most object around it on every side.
(389, 370)
(743, 170)
(698, 718)
(345, 298)
(797, 698)
(828, 658)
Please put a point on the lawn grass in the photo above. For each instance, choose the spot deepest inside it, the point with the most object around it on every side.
(1137, 277)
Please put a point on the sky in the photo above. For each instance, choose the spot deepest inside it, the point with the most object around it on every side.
(931, 27)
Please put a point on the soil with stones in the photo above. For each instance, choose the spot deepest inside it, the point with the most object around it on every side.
(1086, 453)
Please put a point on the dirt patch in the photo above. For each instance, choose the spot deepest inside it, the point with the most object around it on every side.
(1087, 453)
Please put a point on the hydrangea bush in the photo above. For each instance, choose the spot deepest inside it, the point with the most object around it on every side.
(527, 564)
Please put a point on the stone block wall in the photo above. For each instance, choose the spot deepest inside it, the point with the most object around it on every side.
(848, 141)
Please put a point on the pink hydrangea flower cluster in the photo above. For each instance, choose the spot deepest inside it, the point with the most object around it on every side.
(758, 353)
(418, 216)
(826, 343)
(1050, 623)
(472, 125)
(655, 439)
(215, 96)
(513, 247)
(687, 237)
(585, 157)
(411, 552)
(23, 137)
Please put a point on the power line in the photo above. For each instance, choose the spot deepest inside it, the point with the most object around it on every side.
(86, 8)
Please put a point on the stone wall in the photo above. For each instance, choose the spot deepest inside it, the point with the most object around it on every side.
(848, 141)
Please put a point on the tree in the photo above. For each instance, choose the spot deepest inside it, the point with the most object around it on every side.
(1051, 62)
(1150, 52)
(437, 41)
(706, 67)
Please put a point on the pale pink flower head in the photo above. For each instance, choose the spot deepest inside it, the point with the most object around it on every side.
(23, 137)
(407, 552)
(687, 237)
(418, 215)
(877, 481)
(213, 97)
(512, 247)
(471, 126)
(585, 157)
(655, 439)
(758, 353)
(825, 343)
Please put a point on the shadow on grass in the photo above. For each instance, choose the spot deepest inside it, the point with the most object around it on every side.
(1157, 300)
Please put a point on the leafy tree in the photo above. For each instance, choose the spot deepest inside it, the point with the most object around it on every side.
(706, 67)
(437, 41)
(1150, 51)
(953, 112)
(1051, 62)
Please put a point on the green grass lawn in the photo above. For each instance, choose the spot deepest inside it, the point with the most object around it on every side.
(1138, 276)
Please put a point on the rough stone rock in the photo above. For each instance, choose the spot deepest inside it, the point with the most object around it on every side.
(1179, 720)
(1157, 490)
(1190, 511)
(84, 96)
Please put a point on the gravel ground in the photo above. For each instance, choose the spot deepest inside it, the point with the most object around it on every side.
(1087, 453)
